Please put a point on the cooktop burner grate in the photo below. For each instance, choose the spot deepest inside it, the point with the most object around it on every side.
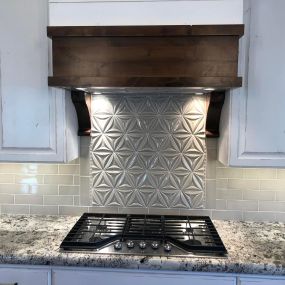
(188, 233)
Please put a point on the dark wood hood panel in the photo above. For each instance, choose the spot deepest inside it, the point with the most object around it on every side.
(146, 56)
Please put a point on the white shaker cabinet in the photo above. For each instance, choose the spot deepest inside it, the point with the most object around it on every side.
(252, 125)
(37, 123)
(260, 281)
(12, 276)
(78, 277)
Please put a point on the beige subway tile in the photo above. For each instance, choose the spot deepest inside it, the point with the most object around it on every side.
(228, 194)
(44, 189)
(134, 211)
(48, 168)
(84, 161)
(11, 168)
(211, 164)
(222, 183)
(15, 209)
(29, 199)
(35, 169)
(85, 199)
(273, 184)
(68, 169)
(76, 200)
(280, 217)
(227, 215)
(196, 212)
(158, 211)
(58, 179)
(68, 190)
(260, 173)
(72, 210)
(211, 143)
(243, 184)
(272, 206)
(281, 174)
(29, 179)
(280, 195)
(210, 194)
(111, 210)
(242, 205)
(43, 210)
(221, 204)
(58, 200)
(76, 180)
(7, 178)
(14, 188)
(258, 195)
(259, 216)
(229, 172)
(6, 199)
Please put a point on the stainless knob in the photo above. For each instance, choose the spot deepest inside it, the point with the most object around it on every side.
(155, 244)
(167, 247)
(130, 244)
(118, 245)
(142, 244)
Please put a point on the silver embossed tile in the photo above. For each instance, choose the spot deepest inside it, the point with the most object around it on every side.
(148, 151)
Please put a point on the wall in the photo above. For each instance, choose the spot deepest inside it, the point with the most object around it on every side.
(231, 193)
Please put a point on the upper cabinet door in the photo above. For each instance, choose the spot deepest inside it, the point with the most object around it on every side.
(32, 117)
(253, 120)
(148, 12)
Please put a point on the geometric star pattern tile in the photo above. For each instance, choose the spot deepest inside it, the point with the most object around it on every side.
(148, 151)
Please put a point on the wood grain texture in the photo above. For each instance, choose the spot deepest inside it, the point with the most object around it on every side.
(145, 31)
(74, 81)
(146, 56)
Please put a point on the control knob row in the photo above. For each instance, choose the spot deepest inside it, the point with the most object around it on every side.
(142, 245)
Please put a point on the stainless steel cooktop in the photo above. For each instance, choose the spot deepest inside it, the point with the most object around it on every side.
(146, 235)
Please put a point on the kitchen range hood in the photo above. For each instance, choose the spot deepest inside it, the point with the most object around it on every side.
(153, 59)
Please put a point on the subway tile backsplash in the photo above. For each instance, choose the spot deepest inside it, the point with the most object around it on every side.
(231, 193)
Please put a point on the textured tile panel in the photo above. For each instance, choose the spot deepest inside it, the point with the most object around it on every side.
(148, 151)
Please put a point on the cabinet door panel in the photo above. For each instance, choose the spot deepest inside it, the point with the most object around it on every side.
(131, 278)
(252, 124)
(23, 277)
(257, 281)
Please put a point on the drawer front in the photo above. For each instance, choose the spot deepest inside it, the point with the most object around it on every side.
(261, 281)
(23, 277)
(61, 277)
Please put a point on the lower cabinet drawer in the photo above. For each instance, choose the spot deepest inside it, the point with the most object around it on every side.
(61, 277)
(261, 281)
(11, 276)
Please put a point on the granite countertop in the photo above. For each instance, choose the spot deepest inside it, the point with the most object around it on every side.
(254, 248)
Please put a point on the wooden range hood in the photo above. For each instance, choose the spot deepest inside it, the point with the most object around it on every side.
(187, 59)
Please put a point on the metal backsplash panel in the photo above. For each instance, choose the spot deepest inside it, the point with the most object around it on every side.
(148, 151)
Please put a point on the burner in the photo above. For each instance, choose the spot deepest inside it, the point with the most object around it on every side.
(145, 235)
(192, 242)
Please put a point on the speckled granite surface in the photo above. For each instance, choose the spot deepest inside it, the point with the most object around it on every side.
(254, 248)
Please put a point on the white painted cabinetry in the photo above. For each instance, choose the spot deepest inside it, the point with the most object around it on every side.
(37, 123)
(12, 276)
(253, 119)
(259, 281)
(144, 12)
(61, 277)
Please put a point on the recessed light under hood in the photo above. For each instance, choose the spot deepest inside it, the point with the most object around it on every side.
(146, 59)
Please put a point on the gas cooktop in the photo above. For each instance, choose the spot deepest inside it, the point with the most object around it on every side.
(147, 235)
